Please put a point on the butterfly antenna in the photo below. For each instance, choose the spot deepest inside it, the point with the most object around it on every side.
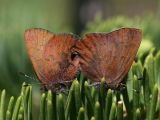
(136, 91)
(33, 83)
(124, 86)
(27, 76)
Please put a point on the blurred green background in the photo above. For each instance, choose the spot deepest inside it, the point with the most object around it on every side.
(77, 16)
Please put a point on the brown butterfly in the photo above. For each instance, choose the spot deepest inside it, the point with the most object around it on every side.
(100, 55)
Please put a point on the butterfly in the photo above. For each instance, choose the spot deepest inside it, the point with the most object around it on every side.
(58, 58)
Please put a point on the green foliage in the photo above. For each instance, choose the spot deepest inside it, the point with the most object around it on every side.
(85, 101)
(15, 17)
(138, 100)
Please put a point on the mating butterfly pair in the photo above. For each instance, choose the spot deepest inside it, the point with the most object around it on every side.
(99, 55)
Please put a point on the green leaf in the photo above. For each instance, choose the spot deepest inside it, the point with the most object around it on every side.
(60, 107)
(153, 103)
(120, 110)
(2, 105)
(81, 114)
(42, 113)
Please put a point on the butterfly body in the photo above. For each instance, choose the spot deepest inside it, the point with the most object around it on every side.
(100, 55)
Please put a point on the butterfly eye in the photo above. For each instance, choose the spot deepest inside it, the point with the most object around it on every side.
(74, 55)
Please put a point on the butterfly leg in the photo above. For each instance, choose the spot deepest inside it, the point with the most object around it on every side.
(62, 87)
(96, 84)
(65, 83)
(43, 88)
(122, 87)
(64, 91)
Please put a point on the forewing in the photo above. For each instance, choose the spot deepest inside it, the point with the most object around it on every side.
(50, 55)
(108, 55)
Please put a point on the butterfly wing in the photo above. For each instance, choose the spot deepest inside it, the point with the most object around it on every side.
(108, 55)
(50, 55)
